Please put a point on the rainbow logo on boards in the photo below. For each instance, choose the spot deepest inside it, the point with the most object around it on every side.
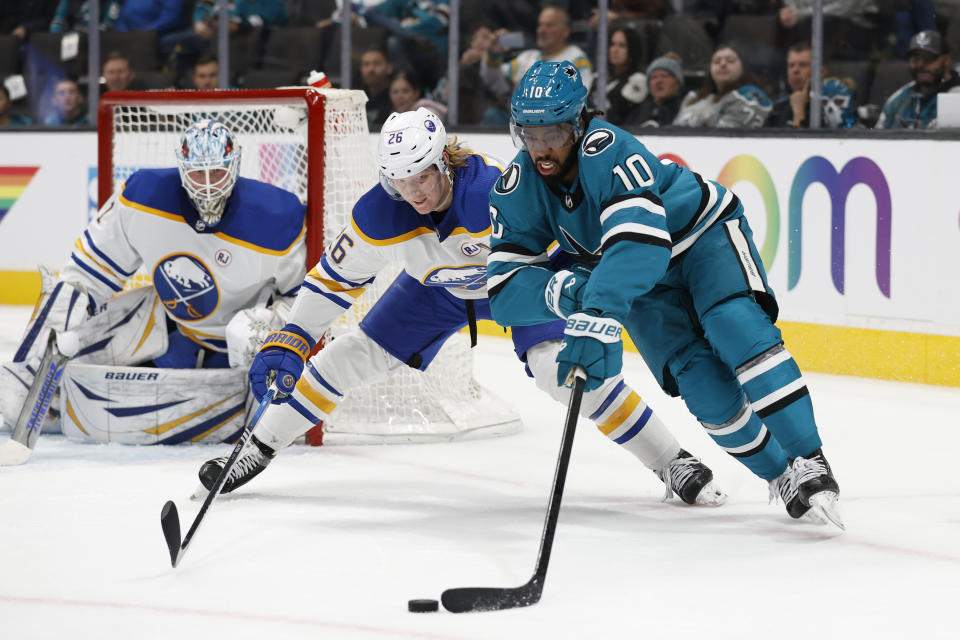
(13, 182)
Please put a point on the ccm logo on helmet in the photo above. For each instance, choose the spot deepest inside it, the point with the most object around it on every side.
(508, 180)
(597, 142)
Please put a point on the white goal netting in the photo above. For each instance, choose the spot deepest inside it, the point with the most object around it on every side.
(444, 403)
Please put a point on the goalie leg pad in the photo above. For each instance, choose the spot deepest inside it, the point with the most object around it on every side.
(617, 410)
(140, 405)
(130, 329)
(345, 363)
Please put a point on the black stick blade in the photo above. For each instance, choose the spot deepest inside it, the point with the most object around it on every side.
(466, 599)
(170, 522)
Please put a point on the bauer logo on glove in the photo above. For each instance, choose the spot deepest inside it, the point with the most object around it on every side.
(603, 329)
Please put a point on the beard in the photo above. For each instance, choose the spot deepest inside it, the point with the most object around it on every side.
(927, 86)
(557, 177)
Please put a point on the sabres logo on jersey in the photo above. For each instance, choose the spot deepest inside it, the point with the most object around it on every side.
(469, 276)
(186, 287)
(508, 180)
(597, 142)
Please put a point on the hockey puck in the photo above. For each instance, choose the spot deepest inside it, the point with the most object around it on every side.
(424, 605)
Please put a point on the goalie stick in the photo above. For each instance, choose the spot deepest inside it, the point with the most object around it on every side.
(170, 519)
(19, 447)
(465, 599)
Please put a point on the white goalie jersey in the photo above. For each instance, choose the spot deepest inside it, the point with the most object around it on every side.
(202, 276)
(451, 254)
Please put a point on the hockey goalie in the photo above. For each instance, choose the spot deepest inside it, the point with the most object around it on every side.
(166, 363)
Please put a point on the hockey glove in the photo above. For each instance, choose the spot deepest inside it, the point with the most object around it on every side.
(593, 343)
(282, 356)
(564, 291)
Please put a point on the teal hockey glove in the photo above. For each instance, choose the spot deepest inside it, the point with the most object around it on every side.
(564, 291)
(593, 343)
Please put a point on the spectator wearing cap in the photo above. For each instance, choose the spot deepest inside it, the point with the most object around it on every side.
(914, 105)
(665, 84)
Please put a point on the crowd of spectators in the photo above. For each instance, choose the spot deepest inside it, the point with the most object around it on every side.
(739, 63)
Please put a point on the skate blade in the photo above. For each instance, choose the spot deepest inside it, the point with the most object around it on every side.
(826, 505)
(200, 493)
(711, 495)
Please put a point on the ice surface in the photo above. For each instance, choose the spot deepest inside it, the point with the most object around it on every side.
(331, 542)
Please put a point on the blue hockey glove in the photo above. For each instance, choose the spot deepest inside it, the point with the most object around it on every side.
(593, 343)
(564, 291)
(283, 354)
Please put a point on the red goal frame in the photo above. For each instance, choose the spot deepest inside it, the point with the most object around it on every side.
(313, 99)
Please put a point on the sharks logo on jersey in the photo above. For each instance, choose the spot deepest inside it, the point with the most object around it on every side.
(597, 142)
(582, 253)
(470, 276)
(508, 180)
(186, 287)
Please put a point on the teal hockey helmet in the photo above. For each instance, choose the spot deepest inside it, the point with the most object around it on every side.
(550, 93)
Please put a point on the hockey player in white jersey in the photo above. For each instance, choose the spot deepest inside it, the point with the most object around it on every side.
(430, 211)
(219, 248)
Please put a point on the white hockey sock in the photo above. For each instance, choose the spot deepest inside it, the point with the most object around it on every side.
(618, 411)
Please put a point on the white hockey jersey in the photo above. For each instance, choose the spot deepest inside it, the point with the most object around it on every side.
(202, 275)
(451, 254)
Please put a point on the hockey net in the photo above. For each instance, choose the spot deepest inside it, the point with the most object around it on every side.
(314, 143)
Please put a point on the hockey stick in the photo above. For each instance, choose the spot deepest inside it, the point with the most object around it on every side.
(465, 599)
(19, 447)
(170, 519)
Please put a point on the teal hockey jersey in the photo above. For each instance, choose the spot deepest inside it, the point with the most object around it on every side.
(627, 215)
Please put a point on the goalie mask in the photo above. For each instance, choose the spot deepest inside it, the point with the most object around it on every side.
(410, 157)
(209, 160)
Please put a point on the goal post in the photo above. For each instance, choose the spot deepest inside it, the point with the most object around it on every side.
(314, 143)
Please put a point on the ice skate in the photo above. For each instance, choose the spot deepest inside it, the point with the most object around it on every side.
(784, 487)
(691, 480)
(817, 487)
(253, 459)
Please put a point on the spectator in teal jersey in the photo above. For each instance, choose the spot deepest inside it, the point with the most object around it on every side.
(183, 47)
(8, 119)
(914, 105)
(67, 105)
(729, 96)
(419, 31)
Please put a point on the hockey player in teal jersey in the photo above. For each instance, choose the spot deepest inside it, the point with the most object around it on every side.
(430, 212)
(668, 255)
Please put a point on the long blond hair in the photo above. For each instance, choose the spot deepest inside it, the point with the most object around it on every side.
(457, 152)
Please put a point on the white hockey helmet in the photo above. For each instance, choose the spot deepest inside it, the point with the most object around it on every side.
(208, 158)
(410, 142)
